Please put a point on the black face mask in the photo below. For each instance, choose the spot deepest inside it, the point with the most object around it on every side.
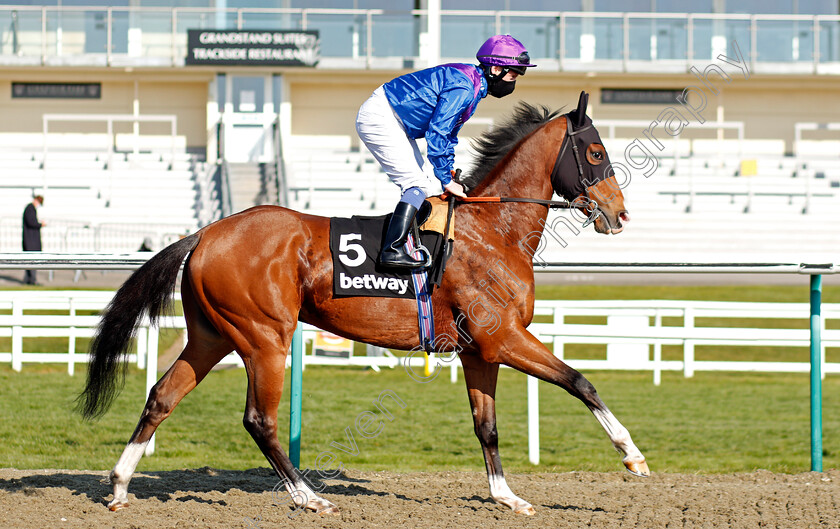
(566, 178)
(499, 88)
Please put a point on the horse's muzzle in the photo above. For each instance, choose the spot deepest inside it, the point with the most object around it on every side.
(610, 223)
(621, 219)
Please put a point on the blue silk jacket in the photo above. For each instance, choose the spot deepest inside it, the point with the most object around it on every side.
(434, 103)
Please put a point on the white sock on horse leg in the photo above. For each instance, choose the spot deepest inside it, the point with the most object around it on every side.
(124, 469)
(501, 493)
(618, 434)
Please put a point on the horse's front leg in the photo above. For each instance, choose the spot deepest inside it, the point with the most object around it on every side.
(481, 379)
(522, 351)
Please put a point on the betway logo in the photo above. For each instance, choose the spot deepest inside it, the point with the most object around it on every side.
(373, 282)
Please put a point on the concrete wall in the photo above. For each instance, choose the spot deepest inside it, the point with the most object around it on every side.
(165, 93)
(327, 102)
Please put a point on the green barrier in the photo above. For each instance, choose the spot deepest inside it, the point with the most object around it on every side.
(816, 375)
(296, 400)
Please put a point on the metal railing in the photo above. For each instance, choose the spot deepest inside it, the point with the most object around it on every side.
(209, 205)
(371, 38)
(222, 171)
(61, 235)
(224, 185)
(109, 120)
(799, 128)
(280, 181)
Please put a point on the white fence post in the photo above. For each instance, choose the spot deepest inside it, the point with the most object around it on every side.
(559, 320)
(142, 341)
(17, 336)
(71, 346)
(822, 349)
(688, 345)
(533, 420)
(657, 352)
(559, 348)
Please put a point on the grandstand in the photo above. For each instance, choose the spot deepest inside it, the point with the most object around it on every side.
(760, 173)
(105, 200)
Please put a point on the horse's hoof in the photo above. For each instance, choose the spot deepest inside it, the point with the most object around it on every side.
(638, 469)
(115, 506)
(527, 511)
(332, 510)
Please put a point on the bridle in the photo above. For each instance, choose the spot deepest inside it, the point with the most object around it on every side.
(590, 205)
(555, 172)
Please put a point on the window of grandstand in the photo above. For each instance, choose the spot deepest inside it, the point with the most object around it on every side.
(783, 7)
(516, 5)
(395, 5)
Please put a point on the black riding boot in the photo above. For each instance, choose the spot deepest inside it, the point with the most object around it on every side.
(393, 254)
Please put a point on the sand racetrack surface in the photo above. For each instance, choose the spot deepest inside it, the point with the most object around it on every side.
(224, 498)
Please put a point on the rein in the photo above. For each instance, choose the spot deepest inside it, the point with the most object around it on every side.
(552, 204)
(556, 204)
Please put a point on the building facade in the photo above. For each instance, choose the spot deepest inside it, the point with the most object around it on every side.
(136, 58)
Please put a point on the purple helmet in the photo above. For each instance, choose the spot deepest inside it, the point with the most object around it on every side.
(504, 51)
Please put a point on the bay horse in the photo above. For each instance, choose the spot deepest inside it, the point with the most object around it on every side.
(249, 278)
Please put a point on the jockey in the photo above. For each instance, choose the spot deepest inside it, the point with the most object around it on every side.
(433, 103)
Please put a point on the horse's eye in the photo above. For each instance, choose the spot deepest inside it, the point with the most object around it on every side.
(595, 154)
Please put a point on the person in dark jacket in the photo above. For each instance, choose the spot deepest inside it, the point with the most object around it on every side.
(433, 104)
(32, 234)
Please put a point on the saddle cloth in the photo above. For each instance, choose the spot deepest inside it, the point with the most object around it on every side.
(355, 243)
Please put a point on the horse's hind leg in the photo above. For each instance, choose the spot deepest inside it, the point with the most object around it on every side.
(522, 351)
(190, 368)
(266, 369)
(204, 349)
(481, 377)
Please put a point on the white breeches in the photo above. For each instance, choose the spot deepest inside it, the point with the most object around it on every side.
(382, 132)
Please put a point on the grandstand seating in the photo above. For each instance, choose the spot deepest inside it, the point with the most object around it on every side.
(325, 176)
(100, 202)
(699, 204)
(785, 209)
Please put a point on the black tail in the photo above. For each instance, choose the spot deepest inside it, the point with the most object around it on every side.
(147, 290)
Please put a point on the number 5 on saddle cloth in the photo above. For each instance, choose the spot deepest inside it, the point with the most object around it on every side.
(355, 244)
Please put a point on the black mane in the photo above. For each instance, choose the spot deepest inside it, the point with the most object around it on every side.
(494, 144)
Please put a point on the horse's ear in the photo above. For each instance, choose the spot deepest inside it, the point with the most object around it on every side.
(581, 108)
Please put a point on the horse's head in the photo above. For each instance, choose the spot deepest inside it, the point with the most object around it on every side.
(583, 173)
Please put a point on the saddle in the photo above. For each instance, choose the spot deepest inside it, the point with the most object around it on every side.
(438, 218)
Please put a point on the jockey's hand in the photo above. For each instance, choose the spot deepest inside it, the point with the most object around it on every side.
(454, 188)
